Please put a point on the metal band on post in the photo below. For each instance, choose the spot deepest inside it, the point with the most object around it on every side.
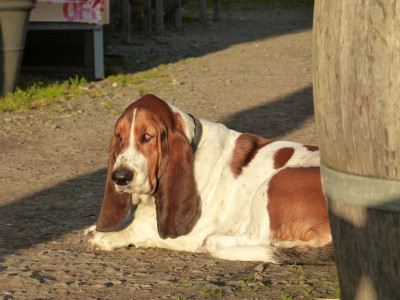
(359, 190)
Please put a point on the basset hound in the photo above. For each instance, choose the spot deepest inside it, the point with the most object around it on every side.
(195, 185)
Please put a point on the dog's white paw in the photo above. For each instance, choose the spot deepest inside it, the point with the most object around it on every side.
(102, 241)
(99, 240)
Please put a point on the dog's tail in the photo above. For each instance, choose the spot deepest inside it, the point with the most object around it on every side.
(318, 256)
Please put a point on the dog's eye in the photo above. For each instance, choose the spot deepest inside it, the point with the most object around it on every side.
(119, 138)
(146, 138)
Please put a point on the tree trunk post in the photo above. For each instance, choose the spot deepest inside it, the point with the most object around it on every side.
(203, 11)
(356, 85)
(126, 21)
(159, 16)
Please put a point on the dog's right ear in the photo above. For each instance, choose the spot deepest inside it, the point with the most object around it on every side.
(115, 205)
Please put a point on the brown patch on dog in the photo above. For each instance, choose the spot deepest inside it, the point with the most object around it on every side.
(297, 207)
(246, 148)
(282, 156)
(311, 148)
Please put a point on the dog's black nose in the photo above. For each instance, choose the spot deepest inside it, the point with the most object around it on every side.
(122, 176)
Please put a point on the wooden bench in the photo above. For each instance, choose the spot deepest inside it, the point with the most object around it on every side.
(82, 15)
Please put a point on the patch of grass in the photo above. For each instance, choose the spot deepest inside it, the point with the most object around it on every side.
(185, 280)
(247, 281)
(122, 79)
(335, 281)
(295, 267)
(307, 291)
(163, 66)
(142, 90)
(97, 93)
(183, 61)
(77, 82)
(251, 285)
(318, 282)
(153, 75)
(286, 296)
(166, 81)
(336, 293)
(184, 283)
(148, 76)
(218, 292)
(117, 112)
(39, 93)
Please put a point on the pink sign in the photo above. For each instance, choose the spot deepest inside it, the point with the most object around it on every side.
(76, 10)
(84, 11)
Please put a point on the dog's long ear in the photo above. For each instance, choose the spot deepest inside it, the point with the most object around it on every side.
(115, 206)
(177, 202)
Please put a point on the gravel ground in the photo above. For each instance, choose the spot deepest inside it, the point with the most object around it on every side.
(251, 71)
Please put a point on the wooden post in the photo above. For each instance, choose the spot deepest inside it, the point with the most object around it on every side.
(147, 17)
(178, 15)
(203, 11)
(217, 10)
(356, 82)
(126, 21)
(160, 16)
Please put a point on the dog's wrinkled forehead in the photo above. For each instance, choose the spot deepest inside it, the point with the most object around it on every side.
(124, 123)
(151, 103)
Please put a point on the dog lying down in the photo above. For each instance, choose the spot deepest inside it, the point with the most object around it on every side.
(195, 185)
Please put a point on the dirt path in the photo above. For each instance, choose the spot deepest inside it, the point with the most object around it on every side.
(251, 71)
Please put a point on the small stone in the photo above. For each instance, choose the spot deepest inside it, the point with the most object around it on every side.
(211, 286)
(260, 267)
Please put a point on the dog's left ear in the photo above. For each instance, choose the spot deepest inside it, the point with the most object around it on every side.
(115, 206)
(177, 202)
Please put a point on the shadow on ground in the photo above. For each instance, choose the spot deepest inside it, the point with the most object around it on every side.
(51, 213)
(276, 118)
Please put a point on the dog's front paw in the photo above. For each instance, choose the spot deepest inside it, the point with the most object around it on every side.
(101, 240)
(98, 240)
